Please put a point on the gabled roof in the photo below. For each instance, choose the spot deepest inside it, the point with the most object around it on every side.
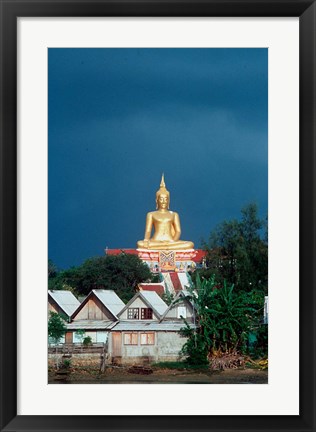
(65, 300)
(159, 288)
(155, 301)
(151, 299)
(108, 298)
(184, 280)
(180, 294)
(175, 281)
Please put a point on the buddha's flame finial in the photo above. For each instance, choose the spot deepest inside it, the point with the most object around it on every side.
(162, 183)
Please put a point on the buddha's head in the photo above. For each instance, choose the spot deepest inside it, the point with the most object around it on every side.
(162, 196)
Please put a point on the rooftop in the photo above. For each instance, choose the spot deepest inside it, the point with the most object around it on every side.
(155, 301)
(159, 288)
(149, 326)
(110, 299)
(90, 325)
(65, 300)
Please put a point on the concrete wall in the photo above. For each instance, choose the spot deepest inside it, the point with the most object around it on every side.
(166, 347)
(141, 354)
(169, 345)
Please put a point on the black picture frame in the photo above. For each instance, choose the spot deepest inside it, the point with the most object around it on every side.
(10, 11)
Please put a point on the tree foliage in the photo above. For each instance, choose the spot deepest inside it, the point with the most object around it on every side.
(237, 251)
(167, 297)
(224, 318)
(52, 269)
(120, 273)
(56, 327)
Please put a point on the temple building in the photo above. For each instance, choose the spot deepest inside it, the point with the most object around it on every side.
(163, 251)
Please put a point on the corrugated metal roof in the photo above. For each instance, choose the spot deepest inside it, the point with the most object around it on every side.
(159, 288)
(175, 281)
(110, 299)
(65, 299)
(149, 326)
(168, 283)
(184, 280)
(90, 324)
(155, 301)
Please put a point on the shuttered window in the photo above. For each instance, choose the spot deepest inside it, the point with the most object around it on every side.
(133, 313)
(147, 313)
(147, 338)
(130, 339)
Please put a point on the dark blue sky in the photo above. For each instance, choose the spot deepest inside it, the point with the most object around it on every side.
(118, 118)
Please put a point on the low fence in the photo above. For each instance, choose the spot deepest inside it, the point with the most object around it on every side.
(93, 356)
(76, 349)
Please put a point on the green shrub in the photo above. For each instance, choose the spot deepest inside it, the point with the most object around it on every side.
(87, 341)
(67, 363)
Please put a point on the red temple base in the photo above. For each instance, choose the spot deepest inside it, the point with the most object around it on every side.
(160, 261)
(171, 265)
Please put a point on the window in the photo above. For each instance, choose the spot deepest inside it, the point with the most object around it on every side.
(147, 338)
(133, 313)
(182, 311)
(130, 339)
(147, 313)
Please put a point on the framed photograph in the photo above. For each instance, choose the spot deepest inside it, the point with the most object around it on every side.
(53, 58)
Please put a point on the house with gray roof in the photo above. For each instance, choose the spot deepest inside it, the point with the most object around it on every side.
(142, 342)
(140, 336)
(99, 304)
(144, 330)
(95, 316)
(62, 302)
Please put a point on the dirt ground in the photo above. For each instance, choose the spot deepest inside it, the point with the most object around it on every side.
(120, 375)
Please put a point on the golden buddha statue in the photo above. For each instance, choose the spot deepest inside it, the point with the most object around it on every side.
(166, 224)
